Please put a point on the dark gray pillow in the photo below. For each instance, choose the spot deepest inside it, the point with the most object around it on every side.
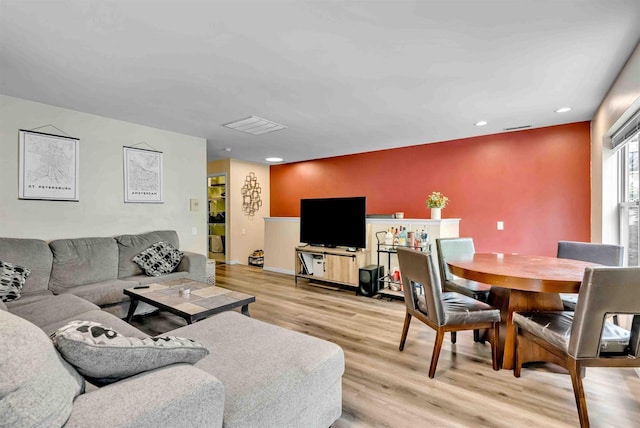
(159, 259)
(104, 356)
(12, 279)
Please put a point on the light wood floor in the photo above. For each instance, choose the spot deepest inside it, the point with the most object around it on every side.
(383, 387)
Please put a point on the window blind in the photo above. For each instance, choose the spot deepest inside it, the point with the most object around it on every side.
(630, 128)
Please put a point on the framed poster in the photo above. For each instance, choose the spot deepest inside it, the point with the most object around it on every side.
(142, 176)
(49, 166)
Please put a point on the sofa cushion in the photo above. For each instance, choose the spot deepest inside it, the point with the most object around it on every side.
(27, 298)
(101, 293)
(144, 279)
(12, 279)
(37, 387)
(102, 317)
(131, 245)
(280, 382)
(82, 261)
(159, 259)
(30, 253)
(3, 307)
(55, 308)
(105, 356)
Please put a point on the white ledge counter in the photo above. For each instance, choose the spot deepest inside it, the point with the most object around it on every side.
(282, 236)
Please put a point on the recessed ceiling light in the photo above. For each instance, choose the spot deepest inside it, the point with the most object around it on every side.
(563, 110)
(274, 159)
(254, 125)
(481, 123)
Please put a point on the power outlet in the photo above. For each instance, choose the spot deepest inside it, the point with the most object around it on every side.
(501, 225)
(194, 231)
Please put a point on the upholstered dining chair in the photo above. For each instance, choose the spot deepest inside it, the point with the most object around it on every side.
(585, 338)
(442, 311)
(604, 254)
(457, 248)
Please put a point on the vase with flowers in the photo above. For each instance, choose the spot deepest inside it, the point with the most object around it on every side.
(436, 201)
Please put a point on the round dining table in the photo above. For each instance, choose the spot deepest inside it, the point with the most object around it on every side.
(520, 283)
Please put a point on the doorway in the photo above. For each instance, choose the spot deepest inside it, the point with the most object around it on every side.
(217, 202)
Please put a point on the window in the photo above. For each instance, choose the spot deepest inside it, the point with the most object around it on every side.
(629, 198)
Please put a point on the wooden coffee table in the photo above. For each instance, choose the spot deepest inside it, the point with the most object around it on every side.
(203, 301)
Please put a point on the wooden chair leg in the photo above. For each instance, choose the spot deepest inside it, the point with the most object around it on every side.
(494, 346)
(476, 335)
(517, 357)
(454, 337)
(578, 391)
(405, 330)
(437, 346)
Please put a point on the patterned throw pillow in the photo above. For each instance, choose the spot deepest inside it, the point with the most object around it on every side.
(104, 356)
(12, 279)
(159, 259)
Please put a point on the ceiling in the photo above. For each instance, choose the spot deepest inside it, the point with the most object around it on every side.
(342, 76)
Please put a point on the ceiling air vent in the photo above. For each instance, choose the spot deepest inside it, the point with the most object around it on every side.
(254, 125)
(516, 128)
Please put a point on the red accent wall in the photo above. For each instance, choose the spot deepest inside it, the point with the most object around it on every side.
(536, 181)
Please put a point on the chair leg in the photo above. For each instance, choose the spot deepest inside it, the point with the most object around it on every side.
(454, 337)
(494, 346)
(578, 391)
(476, 335)
(615, 319)
(405, 330)
(436, 353)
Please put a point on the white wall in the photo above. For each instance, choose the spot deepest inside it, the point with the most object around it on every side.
(619, 101)
(101, 210)
(246, 234)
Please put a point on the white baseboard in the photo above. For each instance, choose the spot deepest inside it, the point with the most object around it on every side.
(637, 371)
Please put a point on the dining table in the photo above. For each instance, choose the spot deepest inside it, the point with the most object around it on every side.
(520, 283)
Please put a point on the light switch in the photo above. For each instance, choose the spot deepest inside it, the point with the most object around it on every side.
(194, 231)
(501, 225)
(194, 204)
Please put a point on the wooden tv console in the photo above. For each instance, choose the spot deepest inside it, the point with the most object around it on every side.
(333, 265)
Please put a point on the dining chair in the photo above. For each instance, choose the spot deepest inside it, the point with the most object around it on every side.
(585, 338)
(457, 248)
(604, 254)
(442, 311)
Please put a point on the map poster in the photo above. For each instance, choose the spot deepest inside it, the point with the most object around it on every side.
(142, 175)
(49, 166)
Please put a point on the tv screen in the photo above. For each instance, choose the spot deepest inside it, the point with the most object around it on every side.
(334, 222)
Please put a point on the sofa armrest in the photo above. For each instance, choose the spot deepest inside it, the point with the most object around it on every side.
(195, 265)
(177, 395)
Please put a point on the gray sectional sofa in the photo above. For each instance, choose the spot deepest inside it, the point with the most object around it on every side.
(255, 375)
(96, 269)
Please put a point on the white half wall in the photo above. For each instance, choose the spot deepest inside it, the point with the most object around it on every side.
(101, 210)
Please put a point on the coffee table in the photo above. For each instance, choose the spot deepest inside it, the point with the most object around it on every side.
(203, 300)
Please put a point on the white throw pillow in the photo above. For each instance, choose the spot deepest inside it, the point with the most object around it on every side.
(105, 356)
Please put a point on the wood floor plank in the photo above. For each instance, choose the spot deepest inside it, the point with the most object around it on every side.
(383, 387)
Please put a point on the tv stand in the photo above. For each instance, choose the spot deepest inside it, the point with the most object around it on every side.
(334, 265)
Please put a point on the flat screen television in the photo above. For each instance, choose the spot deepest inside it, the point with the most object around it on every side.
(334, 222)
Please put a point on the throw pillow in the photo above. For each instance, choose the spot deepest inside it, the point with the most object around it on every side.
(159, 259)
(105, 356)
(12, 279)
